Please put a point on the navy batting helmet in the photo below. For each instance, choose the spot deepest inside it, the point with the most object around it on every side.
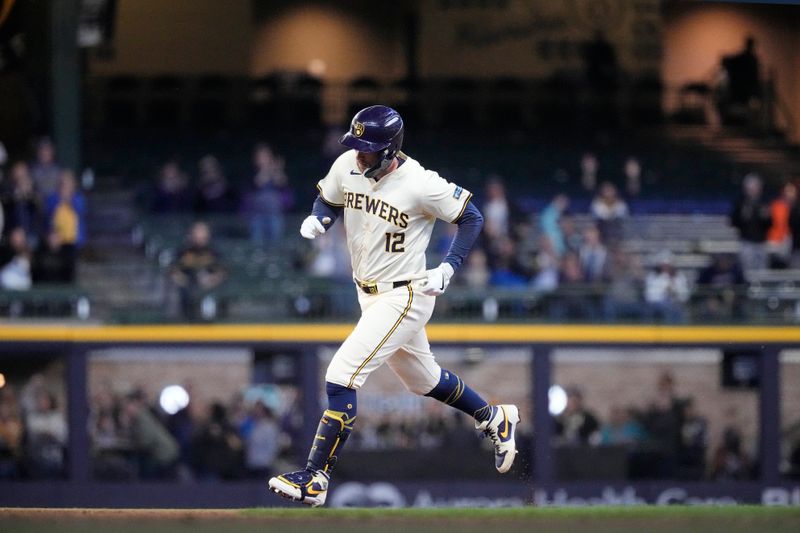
(377, 128)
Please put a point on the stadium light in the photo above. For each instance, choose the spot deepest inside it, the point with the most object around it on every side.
(556, 399)
(173, 398)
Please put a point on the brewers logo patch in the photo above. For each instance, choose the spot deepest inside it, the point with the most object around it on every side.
(358, 129)
(457, 192)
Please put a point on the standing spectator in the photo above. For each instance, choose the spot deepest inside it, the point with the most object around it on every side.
(550, 221)
(172, 193)
(66, 212)
(779, 235)
(262, 444)
(593, 256)
(632, 170)
(216, 447)
(45, 169)
(752, 218)
(46, 436)
(156, 449)
(694, 442)
(197, 270)
(666, 291)
(609, 212)
(15, 262)
(577, 425)
(215, 194)
(269, 198)
(729, 460)
(794, 228)
(719, 282)
(53, 262)
(22, 204)
(663, 421)
(589, 167)
(743, 83)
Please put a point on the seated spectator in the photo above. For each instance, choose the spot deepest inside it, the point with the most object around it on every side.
(547, 267)
(11, 433)
(666, 291)
(609, 211)
(215, 195)
(21, 204)
(476, 272)
(46, 437)
(593, 257)
(269, 198)
(718, 283)
(262, 443)
(53, 262)
(172, 193)
(623, 298)
(197, 270)
(622, 428)
(572, 237)
(577, 425)
(156, 451)
(572, 301)
(45, 169)
(66, 212)
(506, 272)
(779, 235)
(15, 262)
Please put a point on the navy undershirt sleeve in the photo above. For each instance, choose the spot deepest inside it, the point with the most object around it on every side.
(320, 209)
(469, 227)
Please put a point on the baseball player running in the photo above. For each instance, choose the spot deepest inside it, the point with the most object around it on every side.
(389, 204)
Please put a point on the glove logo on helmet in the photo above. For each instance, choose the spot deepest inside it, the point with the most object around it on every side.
(376, 129)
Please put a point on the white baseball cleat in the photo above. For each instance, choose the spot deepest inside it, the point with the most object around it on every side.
(501, 427)
(304, 486)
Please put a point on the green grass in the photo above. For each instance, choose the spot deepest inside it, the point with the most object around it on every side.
(708, 519)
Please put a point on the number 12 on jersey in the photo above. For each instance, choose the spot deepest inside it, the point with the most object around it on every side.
(395, 241)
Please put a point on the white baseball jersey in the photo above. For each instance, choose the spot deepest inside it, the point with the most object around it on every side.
(389, 222)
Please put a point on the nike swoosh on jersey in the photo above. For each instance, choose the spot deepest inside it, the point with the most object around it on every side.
(355, 173)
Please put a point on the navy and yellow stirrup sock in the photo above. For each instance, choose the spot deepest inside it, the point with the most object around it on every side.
(334, 428)
(452, 390)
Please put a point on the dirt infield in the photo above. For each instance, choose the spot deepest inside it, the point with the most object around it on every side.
(596, 519)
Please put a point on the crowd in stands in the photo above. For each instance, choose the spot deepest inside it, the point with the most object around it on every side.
(263, 202)
(582, 271)
(42, 221)
(33, 431)
(133, 438)
(664, 438)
